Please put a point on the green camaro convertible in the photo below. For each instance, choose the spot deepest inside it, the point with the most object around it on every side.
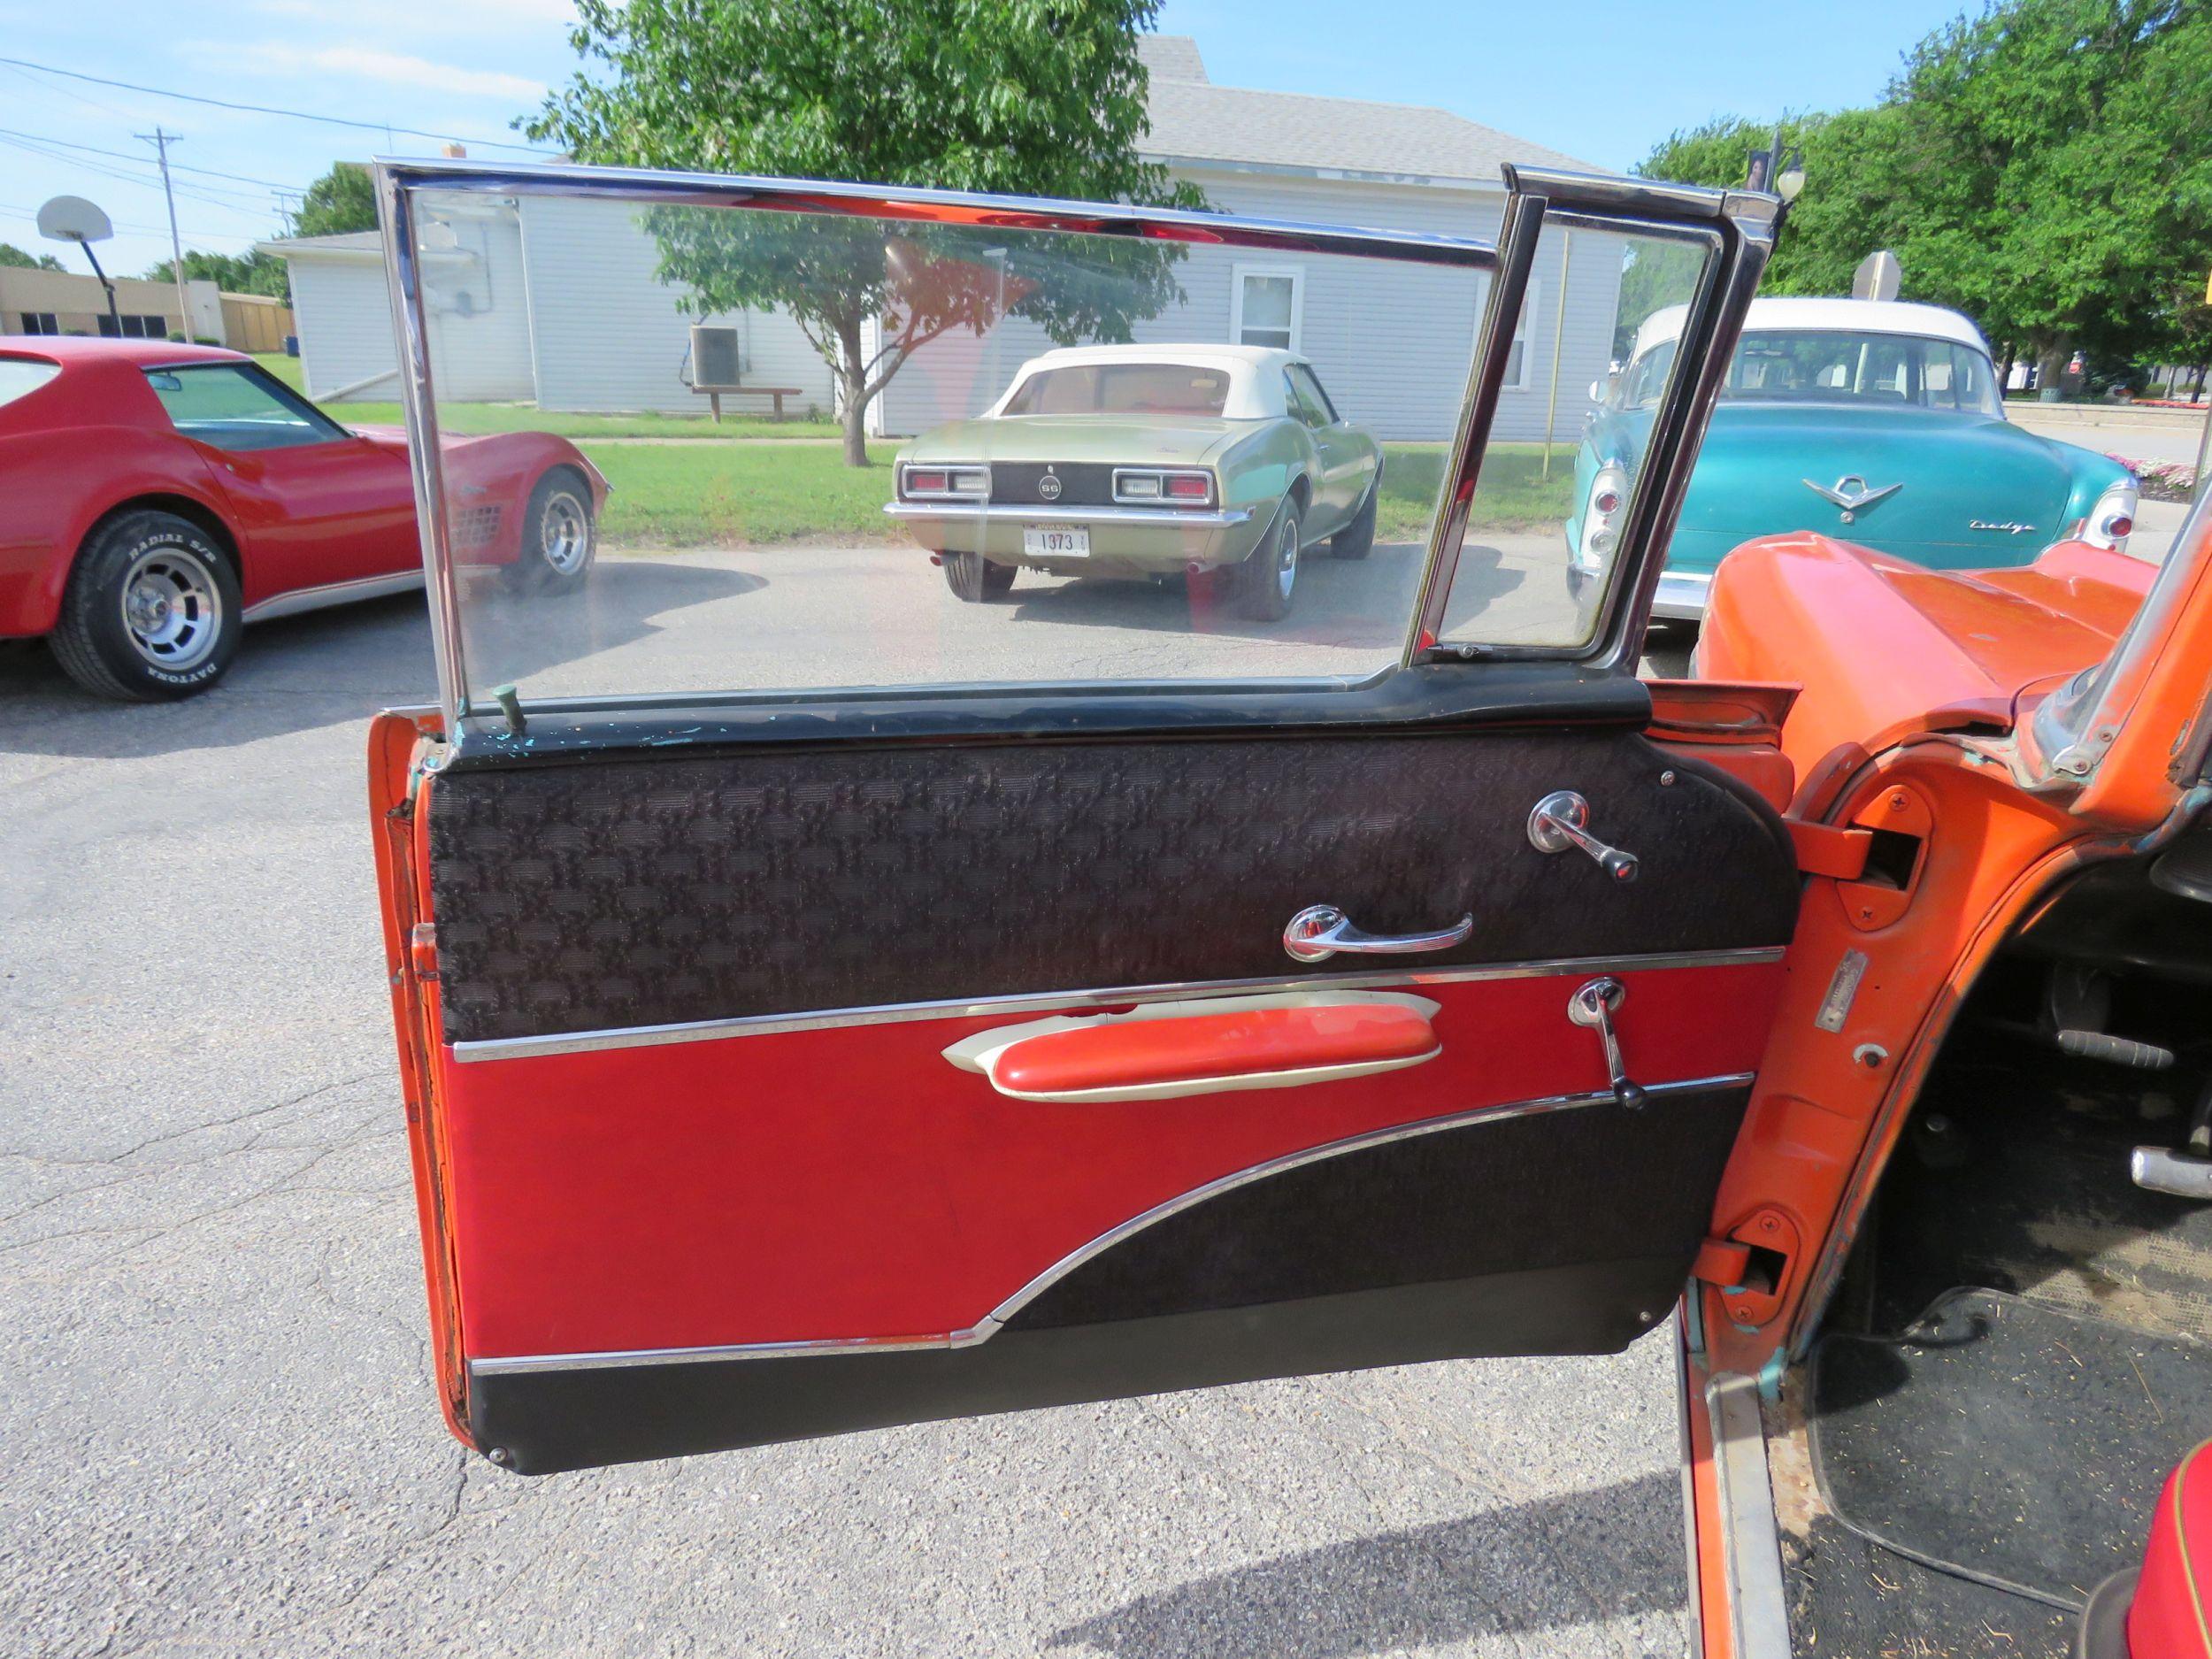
(1145, 460)
(1875, 421)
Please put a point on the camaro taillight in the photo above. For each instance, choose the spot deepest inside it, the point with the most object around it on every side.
(1138, 486)
(947, 483)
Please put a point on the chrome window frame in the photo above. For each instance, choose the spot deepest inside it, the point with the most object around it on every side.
(1738, 224)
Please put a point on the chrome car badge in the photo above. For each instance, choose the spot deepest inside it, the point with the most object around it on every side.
(1850, 493)
(2009, 526)
(1049, 486)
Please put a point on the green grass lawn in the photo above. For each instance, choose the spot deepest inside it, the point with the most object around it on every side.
(682, 495)
(1513, 494)
(678, 495)
(733, 492)
(482, 418)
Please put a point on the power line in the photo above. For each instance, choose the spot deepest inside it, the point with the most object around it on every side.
(23, 214)
(230, 201)
(264, 109)
(119, 154)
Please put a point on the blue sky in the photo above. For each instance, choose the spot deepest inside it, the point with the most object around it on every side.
(1601, 81)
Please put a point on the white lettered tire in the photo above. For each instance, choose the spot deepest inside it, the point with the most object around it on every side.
(152, 612)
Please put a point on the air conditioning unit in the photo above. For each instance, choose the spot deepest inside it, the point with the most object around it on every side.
(717, 363)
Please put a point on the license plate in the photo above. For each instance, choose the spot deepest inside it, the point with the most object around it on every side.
(1055, 540)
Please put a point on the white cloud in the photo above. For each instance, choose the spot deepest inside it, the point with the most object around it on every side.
(398, 69)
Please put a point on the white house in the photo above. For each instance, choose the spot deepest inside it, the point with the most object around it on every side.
(554, 300)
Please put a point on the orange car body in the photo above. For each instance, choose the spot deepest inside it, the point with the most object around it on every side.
(1914, 716)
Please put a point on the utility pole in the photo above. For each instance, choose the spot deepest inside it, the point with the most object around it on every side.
(161, 141)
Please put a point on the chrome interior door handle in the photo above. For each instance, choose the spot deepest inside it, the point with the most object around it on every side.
(1319, 931)
(1558, 822)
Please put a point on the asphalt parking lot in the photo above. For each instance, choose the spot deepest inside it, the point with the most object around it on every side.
(219, 1430)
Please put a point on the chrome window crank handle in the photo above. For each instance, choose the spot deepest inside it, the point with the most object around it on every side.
(1559, 821)
(1319, 931)
(1592, 1006)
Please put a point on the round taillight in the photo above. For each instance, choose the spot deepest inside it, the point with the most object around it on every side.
(2119, 526)
(1608, 502)
(1602, 542)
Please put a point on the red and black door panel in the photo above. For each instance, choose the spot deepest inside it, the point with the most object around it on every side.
(792, 1087)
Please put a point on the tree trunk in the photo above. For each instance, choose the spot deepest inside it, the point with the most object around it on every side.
(2050, 379)
(852, 379)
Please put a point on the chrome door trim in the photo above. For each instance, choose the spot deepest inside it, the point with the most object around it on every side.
(486, 1048)
(1758, 1612)
(996, 1320)
(955, 207)
(299, 599)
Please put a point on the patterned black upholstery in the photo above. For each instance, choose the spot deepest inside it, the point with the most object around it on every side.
(632, 892)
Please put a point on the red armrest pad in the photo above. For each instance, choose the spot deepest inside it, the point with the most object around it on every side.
(2167, 1618)
(1254, 1042)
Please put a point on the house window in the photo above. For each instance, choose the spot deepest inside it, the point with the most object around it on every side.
(1517, 364)
(135, 326)
(1264, 306)
(39, 323)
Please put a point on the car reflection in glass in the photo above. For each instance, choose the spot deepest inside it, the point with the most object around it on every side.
(1145, 460)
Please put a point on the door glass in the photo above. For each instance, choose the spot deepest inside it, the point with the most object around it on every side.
(930, 454)
(1312, 400)
(1561, 470)
(233, 408)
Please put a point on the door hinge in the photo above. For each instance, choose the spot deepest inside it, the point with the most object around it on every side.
(1824, 850)
(422, 950)
(1751, 1266)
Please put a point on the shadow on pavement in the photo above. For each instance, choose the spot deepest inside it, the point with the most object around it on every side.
(1494, 1573)
(327, 667)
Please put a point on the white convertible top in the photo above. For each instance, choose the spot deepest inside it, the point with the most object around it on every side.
(1827, 316)
(1256, 377)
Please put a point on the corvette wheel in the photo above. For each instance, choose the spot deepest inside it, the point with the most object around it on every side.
(1268, 577)
(560, 539)
(152, 612)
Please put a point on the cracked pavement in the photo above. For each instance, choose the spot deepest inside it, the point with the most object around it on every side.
(220, 1429)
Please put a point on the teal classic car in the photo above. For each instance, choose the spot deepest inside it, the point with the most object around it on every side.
(1876, 421)
(1145, 460)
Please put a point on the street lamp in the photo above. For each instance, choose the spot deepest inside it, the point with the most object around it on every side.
(73, 218)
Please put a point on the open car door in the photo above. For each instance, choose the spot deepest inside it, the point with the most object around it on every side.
(873, 1021)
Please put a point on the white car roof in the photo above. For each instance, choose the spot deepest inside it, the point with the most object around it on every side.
(1830, 316)
(1254, 372)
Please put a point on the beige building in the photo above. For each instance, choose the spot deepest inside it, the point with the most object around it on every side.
(70, 302)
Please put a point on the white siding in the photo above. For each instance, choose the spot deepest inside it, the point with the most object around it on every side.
(345, 325)
(609, 336)
(479, 309)
(1391, 342)
(478, 305)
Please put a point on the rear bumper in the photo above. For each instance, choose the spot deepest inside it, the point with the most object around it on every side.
(1124, 538)
(1681, 596)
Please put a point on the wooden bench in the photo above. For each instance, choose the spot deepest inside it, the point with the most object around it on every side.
(715, 395)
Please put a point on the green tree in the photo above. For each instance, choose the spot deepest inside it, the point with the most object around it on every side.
(341, 200)
(2044, 166)
(252, 273)
(22, 259)
(1041, 97)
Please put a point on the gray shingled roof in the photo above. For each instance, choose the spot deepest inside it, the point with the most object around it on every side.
(1194, 120)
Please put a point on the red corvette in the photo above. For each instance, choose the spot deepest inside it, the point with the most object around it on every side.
(161, 496)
